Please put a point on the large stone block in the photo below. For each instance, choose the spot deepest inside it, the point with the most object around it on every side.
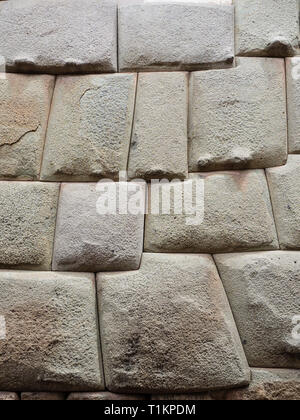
(266, 28)
(89, 128)
(156, 36)
(88, 240)
(51, 341)
(24, 110)
(159, 139)
(263, 290)
(284, 183)
(293, 103)
(61, 36)
(237, 216)
(9, 396)
(43, 396)
(161, 333)
(27, 224)
(221, 134)
(102, 396)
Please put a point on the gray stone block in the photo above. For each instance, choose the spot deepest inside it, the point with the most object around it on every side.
(9, 396)
(293, 103)
(43, 396)
(102, 396)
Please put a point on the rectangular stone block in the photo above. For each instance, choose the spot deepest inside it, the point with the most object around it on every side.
(89, 129)
(102, 396)
(237, 216)
(238, 116)
(264, 294)
(266, 27)
(159, 138)
(155, 36)
(293, 103)
(285, 194)
(9, 396)
(43, 396)
(61, 36)
(92, 237)
(24, 110)
(27, 224)
(179, 336)
(52, 342)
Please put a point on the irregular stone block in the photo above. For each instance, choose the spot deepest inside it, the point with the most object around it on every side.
(51, 339)
(175, 36)
(221, 134)
(27, 224)
(293, 103)
(159, 139)
(89, 129)
(179, 336)
(263, 290)
(285, 194)
(237, 216)
(9, 396)
(266, 28)
(43, 396)
(102, 396)
(87, 239)
(62, 36)
(24, 110)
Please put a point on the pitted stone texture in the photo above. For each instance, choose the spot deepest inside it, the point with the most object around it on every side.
(59, 36)
(293, 103)
(284, 183)
(267, 28)
(221, 134)
(89, 129)
(179, 336)
(24, 110)
(101, 396)
(270, 385)
(237, 216)
(52, 341)
(27, 224)
(43, 396)
(89, 241)
(264, 293)
(175, 36)
(182, 397)
(159, 141)
(9, 396)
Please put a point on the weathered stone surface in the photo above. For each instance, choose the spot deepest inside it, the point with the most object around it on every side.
(9, 396)
(237, 216)
(90, 127)
(159, 140)
(27, 224)
(101, 396)
(285, 194)
(179, 336)
(263, 290)
(270, 385)
(156, 36)
(43, 396)
(61, 36)
(88, 241)
(293, 103)
(51, 341)
(266, 28)
(182, 397)
(221, 134)
(24, 110)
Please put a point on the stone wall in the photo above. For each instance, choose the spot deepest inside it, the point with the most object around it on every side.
(98, 306)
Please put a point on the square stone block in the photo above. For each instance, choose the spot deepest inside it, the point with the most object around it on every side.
(293, 103)
(168, 328)
(51, 342)
(264, 294)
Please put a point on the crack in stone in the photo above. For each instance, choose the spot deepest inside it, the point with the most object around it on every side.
(21, 137)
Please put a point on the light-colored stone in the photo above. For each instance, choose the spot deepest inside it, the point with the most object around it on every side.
(43, 396)
(89, 128)
(293, 103)
(89, 241)
(182, 397)
(27, 224)
(270, 385)
(24, 110)
(156, 36)
(159, 139)
(221, 133)
(168, 328)
(264, 293)
(284, 183)
(102, 396)
(237, 216)
(59, 36)
(52, 341)
(266, 27)
(9, 396)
